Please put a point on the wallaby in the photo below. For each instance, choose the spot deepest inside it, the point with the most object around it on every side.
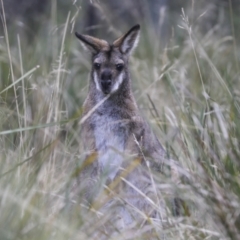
(122, 147)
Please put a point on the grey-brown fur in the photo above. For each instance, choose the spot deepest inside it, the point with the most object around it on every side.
(115, 131)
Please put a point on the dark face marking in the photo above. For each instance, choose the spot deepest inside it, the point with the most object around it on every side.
(109, 53)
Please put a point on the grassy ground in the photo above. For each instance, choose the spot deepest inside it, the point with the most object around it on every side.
(189, 92)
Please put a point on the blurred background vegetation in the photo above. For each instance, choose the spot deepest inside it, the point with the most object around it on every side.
(185, 76)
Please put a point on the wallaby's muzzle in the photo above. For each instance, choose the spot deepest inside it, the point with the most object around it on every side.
(106, 81)
(106, 86)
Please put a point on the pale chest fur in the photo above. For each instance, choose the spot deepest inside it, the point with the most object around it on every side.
(110, 133)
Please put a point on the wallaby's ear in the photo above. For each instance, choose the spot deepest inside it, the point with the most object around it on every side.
(91, 43)
(128, 41)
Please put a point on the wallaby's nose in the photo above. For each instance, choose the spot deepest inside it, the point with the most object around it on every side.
(106, 81)
(106, 75)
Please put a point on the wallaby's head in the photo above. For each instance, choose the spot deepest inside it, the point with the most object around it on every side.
(110, 61)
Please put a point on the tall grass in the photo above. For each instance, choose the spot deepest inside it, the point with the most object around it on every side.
(188, 92)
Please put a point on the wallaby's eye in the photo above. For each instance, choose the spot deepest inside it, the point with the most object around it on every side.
(97, 66)
(119, 66)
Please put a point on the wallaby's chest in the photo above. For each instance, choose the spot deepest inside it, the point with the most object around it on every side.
(111, 134)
